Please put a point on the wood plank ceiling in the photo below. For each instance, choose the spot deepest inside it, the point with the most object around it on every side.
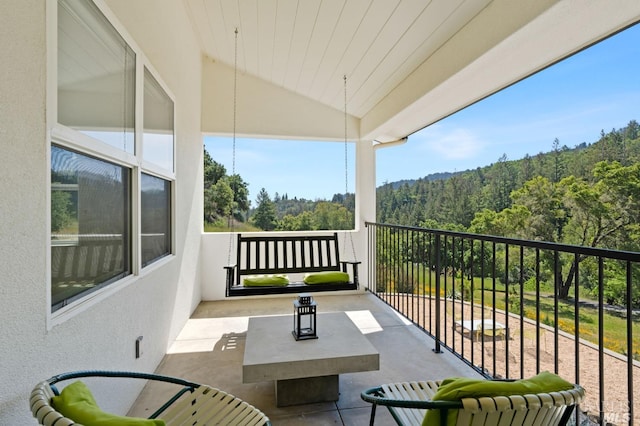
(307, 46)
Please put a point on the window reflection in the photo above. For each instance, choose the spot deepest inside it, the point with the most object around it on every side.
(96, 76)
(158, 124)
(90, 226)
(155, 218)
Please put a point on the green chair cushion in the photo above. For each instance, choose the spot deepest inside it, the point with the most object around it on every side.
(77, 403)
(454, 389)
(327, 277)
(277, 280)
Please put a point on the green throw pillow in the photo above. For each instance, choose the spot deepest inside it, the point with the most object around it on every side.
(456, 388)
(279, 280)
(77, 403)
(328, 277)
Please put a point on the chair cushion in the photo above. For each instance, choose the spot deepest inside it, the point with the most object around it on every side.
(77, 403)
(454, 389)
(276, 280)
(327, 277)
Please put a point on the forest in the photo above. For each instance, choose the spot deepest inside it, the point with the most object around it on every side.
(547, 187)
(227, 206)
(587, 195)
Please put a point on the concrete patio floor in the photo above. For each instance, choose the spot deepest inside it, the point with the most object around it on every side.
(210, 350)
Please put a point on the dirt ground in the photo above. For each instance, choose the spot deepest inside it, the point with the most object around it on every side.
(527, 355)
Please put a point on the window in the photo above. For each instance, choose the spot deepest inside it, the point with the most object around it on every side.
(158, 124)
(90, 225)
(96, 76)
(155, 217)
(94, 186)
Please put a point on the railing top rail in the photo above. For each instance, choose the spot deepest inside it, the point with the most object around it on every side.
(543, 245)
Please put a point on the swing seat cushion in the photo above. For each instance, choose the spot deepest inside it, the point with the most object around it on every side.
(77, 403)
(273, 280)
(327, 277)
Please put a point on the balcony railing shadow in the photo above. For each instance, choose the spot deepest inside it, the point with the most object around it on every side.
(210, 350)
(531, 298)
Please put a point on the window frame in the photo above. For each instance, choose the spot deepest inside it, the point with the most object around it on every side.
(71, 139)
(171, 215)
(128, 226)
(146, 164)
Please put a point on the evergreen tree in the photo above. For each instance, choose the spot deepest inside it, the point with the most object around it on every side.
(558, 164)
(264, 216)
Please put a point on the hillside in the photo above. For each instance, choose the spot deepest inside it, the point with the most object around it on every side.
(455, 198)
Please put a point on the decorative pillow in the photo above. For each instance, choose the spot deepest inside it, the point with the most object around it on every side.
(77, 403)
(328, 277)
(278, 280)
(456, 388)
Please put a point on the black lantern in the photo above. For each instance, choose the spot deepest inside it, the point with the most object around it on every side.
(304, 317)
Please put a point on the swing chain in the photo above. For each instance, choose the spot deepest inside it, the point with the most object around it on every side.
(346, 175)
(233, 159)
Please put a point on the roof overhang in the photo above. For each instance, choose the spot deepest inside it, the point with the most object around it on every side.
(408, 64)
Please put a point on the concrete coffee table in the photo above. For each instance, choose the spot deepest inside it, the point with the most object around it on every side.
(305, 371)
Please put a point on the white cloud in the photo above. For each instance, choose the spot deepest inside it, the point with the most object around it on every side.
(456, 144)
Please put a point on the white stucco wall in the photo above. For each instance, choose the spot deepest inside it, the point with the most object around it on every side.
(23, 221)
(158, 302)
(266, 110)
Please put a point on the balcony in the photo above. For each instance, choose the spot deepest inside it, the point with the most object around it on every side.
(210, 350)
(409, 64)
(422, 325)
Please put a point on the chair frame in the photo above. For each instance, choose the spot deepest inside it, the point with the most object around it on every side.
(193, 402)
(408, 401)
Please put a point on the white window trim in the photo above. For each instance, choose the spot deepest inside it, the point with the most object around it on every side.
(69, 138)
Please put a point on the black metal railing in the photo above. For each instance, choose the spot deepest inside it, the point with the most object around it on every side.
(511, 308)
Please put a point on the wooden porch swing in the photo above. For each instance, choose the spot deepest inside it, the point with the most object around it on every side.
(263, 262)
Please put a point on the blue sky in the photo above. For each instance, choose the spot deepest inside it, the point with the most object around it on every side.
(597, 89)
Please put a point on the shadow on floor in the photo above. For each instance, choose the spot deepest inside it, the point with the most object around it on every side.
(210, 350)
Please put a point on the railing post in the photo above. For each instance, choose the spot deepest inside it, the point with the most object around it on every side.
(438, 320)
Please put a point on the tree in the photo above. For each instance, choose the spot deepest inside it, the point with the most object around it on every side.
(301, 222)
(213, 171)
(558, 162)
(240, 195)
(501, 184)
(265, 215)
(223, 195)
(218, 200)
(332, 216)
(599, 214)
(632, 131)
(60, 205)
(544, 202)
(508, 222)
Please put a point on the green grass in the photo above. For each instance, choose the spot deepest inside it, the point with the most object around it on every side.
(615, 327)
(223, 227)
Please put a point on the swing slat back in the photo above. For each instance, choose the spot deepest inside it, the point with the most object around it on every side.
(267, 255)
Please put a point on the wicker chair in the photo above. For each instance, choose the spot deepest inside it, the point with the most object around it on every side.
(192, 403)
(408, 403)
